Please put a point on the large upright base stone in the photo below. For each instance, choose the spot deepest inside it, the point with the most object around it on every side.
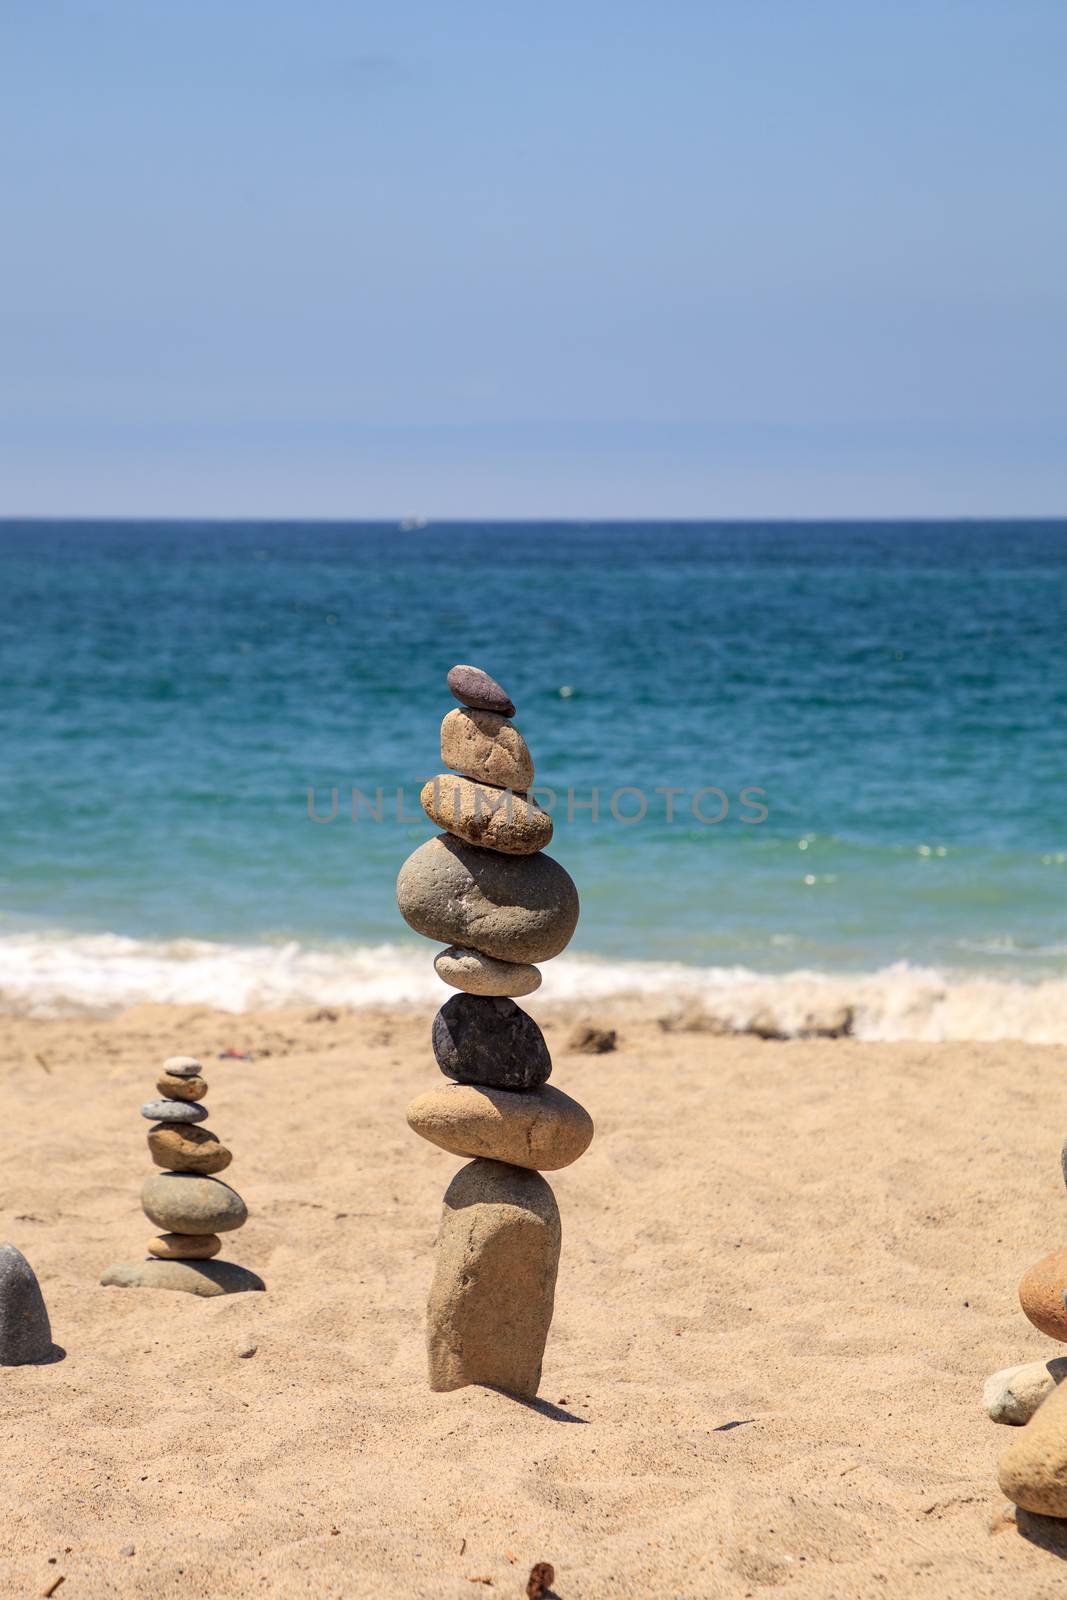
(25, 1331)
(494, 1281)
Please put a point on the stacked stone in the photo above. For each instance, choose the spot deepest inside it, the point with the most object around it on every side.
(186, 1198)
(486, 890)
(1033, 1469)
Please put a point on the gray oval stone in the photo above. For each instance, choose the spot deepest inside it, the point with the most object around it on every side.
(192, 1277)
(25, 1331)
(514, 908)
(182, 1067)
(473, 687)
(173, 1111)
(185, 1202)
(479, 1039)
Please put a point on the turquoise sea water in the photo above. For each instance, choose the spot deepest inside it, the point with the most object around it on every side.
(171, 692)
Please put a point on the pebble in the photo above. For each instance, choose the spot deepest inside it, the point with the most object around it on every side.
(192, 1277)
(514, 908)
(1013, 1395)
(543, 1130)
(181, 1088)
(588, 1040)
(185, 1246)
(25, 1331)
(476, 688)
(1033, 1469)
(487, 748)
(1041, 1294)
(246, 1347)
(496, 819)
(476, 973)
(479, 1039)
(186, 1202)
(494, 1280)
(182, 1067)
(181, 1148)
(173, 1111)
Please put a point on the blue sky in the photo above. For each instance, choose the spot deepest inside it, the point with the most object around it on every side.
(730, 258)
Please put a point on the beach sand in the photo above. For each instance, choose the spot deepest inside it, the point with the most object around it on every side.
(787, 1270)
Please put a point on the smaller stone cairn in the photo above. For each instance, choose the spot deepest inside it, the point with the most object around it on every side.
(186, 1199)
(485, 890)
(1033, 1470)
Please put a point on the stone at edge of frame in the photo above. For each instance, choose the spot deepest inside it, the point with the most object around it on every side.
(25, 1331)
(1032, 1471)
(495, 1263)
(192, 1277)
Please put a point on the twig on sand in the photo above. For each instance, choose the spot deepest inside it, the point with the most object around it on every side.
(54, 1585)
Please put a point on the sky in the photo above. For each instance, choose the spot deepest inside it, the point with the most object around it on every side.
(727, 258)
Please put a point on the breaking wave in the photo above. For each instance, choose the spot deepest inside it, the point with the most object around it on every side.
(62, 974)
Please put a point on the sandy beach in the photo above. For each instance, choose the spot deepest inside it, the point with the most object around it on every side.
(787, 1270)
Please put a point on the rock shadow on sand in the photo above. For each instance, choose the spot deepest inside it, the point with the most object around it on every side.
(1048, 1533)
(544, 1408)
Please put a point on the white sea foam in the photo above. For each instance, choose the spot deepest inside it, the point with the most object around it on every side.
(56, 974)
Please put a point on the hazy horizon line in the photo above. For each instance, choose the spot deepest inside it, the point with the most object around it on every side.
(419, 523)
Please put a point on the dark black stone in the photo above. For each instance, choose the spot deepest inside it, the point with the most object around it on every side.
(25, 1332)
(491, 1041)
(475, 688)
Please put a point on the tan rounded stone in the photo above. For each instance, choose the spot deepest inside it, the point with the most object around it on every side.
(1033, 1469)
(185, 1246)
(183, 1067)
(476, 973)
(1041, 1294)
(487, 748)
(543, 1129)
(180, 1147)
(181, 1088)
(515, 908)
(495, 819)
(494, 1280)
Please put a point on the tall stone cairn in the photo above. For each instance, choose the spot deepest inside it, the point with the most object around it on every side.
(485, 889)
(186, 1199)
(1033, 1469)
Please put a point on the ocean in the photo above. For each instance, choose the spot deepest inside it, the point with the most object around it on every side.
(829, 759)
